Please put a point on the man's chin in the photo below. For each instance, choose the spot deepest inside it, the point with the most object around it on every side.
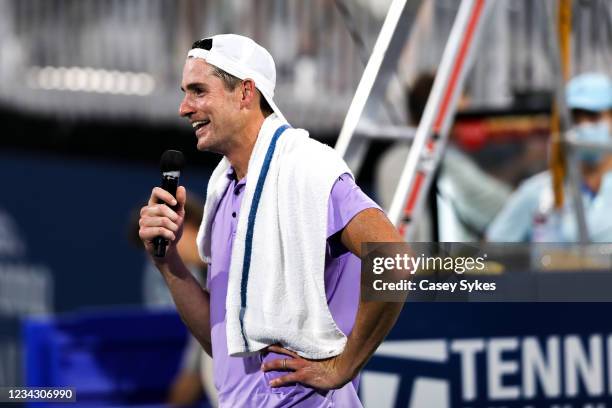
(205, 145)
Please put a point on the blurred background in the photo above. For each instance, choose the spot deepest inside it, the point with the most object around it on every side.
(89, 95)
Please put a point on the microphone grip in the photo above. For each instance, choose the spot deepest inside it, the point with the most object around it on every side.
(170, 184)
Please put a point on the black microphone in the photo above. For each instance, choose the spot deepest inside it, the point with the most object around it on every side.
(171, 163)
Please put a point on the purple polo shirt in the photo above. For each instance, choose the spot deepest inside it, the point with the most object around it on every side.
(240, 381)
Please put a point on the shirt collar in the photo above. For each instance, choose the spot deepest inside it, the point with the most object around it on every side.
(231, 174)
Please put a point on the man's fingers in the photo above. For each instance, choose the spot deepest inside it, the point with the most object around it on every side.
(181, 198)
(157, 219)
(159, 210)
(149, 233)
(158, 222)
(283, 364)
(160, 195)
(281, 350)
(285, 379)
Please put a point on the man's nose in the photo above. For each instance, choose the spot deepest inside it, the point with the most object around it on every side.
(185, 108)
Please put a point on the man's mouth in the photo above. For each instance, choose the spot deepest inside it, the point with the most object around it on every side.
(200, 124)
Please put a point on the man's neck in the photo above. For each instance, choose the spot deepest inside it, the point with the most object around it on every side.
(240, 155)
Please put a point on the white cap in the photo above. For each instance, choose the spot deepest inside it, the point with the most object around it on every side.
(590, 91)
(243, 58)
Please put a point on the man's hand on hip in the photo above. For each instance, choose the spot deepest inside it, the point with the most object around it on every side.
(325, 374)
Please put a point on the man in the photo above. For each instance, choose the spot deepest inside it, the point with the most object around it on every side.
(229, 82)
(467, 197)
(530, 216)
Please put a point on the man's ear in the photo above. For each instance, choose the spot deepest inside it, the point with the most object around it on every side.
(249, 93)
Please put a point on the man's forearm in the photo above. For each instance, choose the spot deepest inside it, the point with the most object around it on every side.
(192, 302)
(373, 322)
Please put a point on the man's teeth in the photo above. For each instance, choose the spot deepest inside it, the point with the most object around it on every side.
(199, 123)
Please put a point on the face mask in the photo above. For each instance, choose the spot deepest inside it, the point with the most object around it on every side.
(592, 133)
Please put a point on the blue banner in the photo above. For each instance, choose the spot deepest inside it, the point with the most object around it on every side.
(460, 355)
(64, 238)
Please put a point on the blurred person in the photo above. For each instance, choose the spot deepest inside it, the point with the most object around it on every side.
(284, 212)
(194, 380)
(530, 216)
(195, 374)
(468, 198)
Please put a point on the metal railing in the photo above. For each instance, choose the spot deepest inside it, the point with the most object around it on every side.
(122, 59)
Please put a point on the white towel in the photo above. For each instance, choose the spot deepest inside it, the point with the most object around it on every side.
(285, 299)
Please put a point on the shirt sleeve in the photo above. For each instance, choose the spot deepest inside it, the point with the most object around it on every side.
(346, 200)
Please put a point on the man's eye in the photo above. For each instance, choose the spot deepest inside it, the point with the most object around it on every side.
(196, 91)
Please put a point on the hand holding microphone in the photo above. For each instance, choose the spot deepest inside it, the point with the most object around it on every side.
(161, 220)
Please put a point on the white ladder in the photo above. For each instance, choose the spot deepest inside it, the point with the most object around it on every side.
(432, 133)
(431, 136)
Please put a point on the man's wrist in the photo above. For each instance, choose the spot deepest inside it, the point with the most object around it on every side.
(346, 366)
(171, 259)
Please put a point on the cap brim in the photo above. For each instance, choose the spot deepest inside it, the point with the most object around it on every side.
(589, 104)
(273, 106)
